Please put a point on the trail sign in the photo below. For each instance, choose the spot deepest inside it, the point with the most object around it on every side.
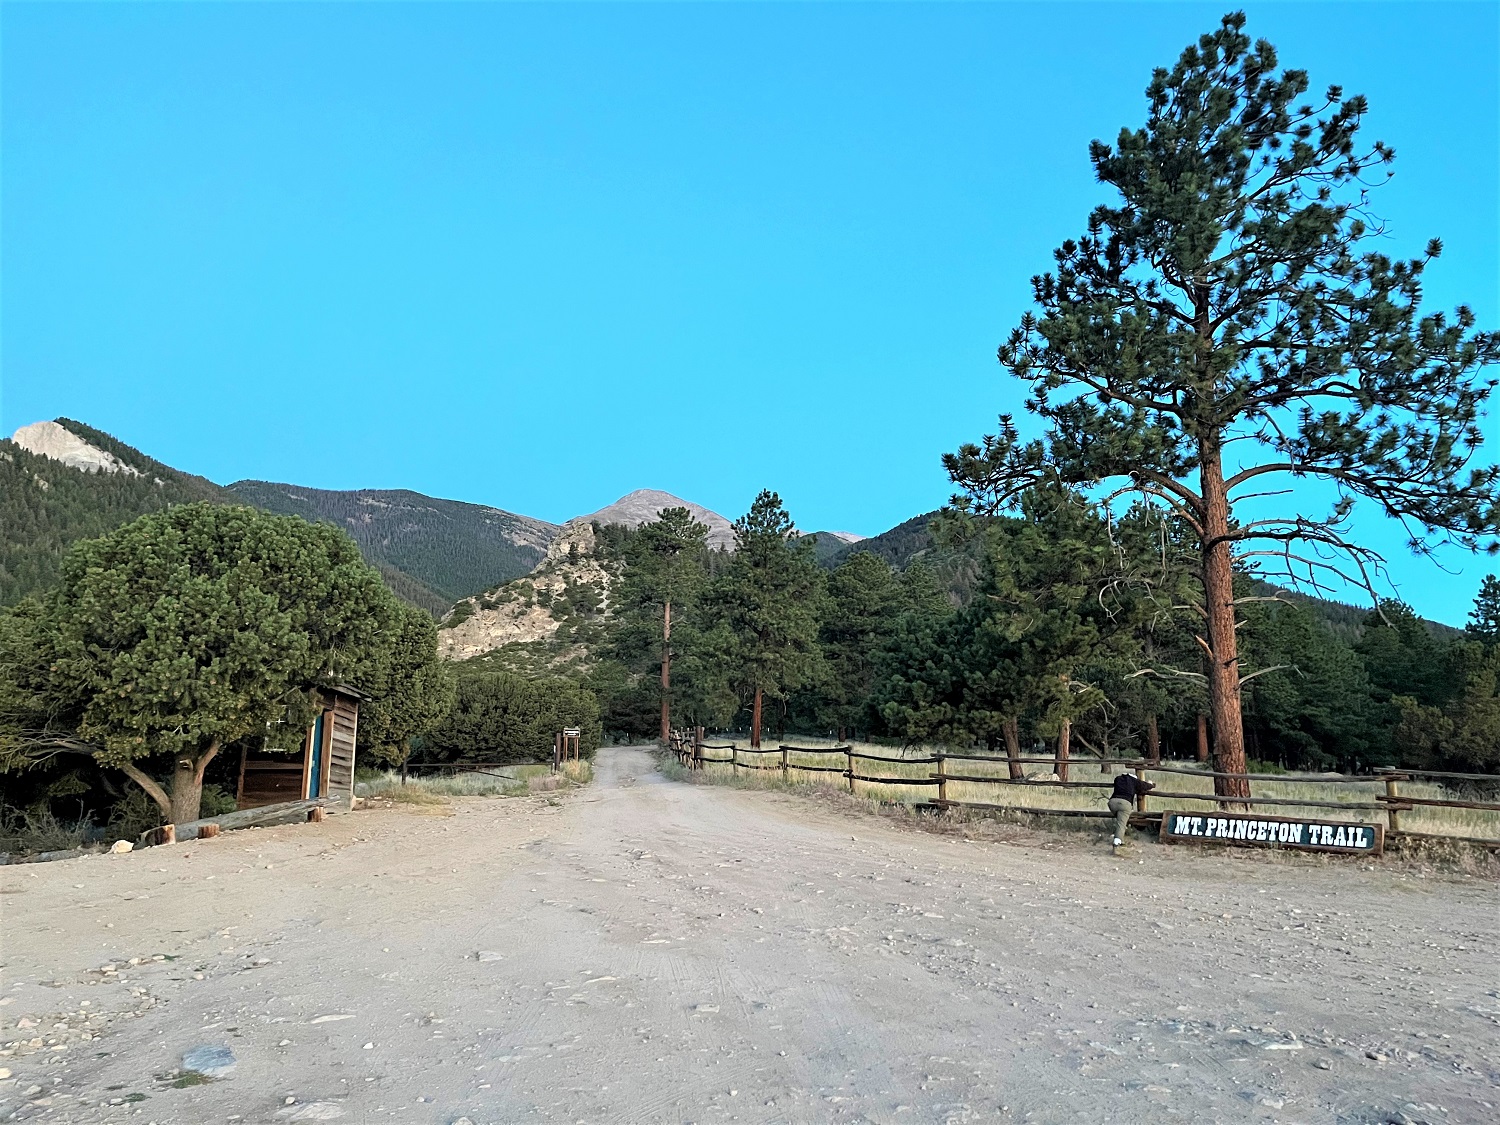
(1248, 830)
(571, 732)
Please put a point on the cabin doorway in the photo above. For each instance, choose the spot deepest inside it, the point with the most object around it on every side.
(315, 760)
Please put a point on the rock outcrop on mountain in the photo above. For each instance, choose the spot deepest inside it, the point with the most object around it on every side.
(646, 504)
(58, 443)
(62, 481)
(554, 603)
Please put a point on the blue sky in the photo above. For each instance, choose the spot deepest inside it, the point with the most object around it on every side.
(538, 256)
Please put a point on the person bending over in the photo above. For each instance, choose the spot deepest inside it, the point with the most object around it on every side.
(1122, 802)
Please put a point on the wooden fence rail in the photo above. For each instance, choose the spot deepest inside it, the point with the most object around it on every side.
(1392, 802)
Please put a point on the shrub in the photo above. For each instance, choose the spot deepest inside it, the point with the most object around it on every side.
(502, 717)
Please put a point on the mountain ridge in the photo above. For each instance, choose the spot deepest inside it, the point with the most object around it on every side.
(449, 548)
(63, 480)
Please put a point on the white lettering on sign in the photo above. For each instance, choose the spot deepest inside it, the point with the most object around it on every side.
(1272, 830)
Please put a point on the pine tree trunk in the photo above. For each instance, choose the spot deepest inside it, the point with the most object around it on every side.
(1202, 737)
(187, 784)
(1064, 745)
(1011, 728)
(1153, 741)
(1223, 643)
(755, 721)
(666, 674)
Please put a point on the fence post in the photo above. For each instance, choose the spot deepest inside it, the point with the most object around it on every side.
(1140, 798)
(1390, 810)
(734, 760)
(942, 765)
(785, 763)
(849, 757)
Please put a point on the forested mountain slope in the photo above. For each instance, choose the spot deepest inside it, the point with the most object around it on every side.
(433, 552)
(45, 504)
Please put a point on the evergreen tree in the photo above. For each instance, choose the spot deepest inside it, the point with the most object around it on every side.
(1402, 656)
(864, 606)
(1484, 618)
(767, 601)
(183, 632)
(1228, 324)
(1316, 710)
(1045, 612)
(664, 570)
(504, 718)
(1463, 733)
(409, 689)
(917, 675)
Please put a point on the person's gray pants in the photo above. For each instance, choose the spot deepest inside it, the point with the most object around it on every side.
(1122, 810)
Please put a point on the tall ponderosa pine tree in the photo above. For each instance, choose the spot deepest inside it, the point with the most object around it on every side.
(768, 601)
(664, 569)
(1227, 328)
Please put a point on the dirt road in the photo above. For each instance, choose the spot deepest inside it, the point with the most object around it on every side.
(646, 951)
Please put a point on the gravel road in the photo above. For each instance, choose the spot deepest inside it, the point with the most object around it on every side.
(646, 950)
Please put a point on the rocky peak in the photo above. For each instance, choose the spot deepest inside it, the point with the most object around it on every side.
(646, 504)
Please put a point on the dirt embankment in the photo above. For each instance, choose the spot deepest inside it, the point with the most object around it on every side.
(652, 951)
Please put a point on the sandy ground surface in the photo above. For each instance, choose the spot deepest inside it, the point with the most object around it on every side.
(645, 950)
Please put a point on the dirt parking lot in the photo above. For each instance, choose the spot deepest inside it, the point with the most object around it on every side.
(646, 950)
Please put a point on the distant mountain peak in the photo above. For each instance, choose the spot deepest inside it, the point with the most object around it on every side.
(58, 443)
(646, 504)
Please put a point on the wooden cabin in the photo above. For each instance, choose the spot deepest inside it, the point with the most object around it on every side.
(324, 769)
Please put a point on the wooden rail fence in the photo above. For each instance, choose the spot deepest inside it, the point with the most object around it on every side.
(694, 753)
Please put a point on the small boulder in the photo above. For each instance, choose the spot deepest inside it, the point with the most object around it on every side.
(119, 847)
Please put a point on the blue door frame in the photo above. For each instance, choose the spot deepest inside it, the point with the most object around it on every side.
(315, 760)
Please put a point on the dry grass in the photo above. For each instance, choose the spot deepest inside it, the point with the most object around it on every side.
(1036, 794)
(512, 781)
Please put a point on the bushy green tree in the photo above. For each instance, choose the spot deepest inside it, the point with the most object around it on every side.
(501, 717)
(183, 632)
(1232, 325)
(409, 690)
